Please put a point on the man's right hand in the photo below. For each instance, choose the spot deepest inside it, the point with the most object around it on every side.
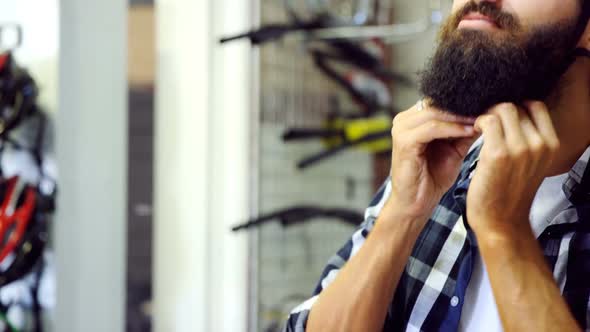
(429, 147)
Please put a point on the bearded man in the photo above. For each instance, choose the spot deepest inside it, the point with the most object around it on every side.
(484, 223)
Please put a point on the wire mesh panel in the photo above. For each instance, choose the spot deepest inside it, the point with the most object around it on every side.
(295, 94)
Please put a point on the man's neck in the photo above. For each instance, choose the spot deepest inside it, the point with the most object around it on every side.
(570, 111)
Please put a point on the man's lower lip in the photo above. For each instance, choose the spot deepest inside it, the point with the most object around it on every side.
(477, 24)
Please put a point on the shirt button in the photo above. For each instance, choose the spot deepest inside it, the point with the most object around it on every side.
(454, 301)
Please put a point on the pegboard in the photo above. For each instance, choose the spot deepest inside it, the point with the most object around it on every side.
(294, 94)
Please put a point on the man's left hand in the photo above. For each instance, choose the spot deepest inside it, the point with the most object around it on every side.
(519, 146)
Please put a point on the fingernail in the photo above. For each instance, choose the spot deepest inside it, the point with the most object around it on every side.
(469, 129)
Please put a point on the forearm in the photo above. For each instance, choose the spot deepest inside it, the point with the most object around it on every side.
(359, 297)
(526, 294)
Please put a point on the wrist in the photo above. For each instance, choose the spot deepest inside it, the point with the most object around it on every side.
(415, 209)
(396, 231)
(394, 215)
(503, 236)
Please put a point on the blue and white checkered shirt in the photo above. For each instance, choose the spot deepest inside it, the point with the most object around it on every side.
(430, 293)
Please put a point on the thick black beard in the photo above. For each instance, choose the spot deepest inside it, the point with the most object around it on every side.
(472, 70)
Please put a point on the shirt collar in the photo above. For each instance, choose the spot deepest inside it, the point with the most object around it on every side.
(576, 188)
(577, 185)
(470, 161)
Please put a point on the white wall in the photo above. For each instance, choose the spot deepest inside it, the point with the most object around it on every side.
(229, 172)
(181, 134)
(202, 112)
(90, 228)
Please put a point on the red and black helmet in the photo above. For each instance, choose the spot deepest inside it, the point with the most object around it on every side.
(24, 217)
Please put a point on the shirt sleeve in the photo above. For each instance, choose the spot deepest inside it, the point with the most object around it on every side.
(297, 320)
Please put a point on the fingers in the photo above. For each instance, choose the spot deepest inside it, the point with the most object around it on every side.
(418, 127)
(436, 129)
(533, 137)
(513, 132)
(415, 117)
(519, 133)
(539, 115)
(491, 128)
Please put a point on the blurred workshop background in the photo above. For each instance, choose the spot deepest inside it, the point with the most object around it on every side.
(191, 165)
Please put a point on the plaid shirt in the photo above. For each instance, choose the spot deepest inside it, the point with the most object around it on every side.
(432, 288)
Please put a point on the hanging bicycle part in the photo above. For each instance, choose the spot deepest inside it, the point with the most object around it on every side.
(362, 21)
(360, 26)
(302, 214)
(367, 77)
(273, 32)
(367, 82)
(340, 134)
